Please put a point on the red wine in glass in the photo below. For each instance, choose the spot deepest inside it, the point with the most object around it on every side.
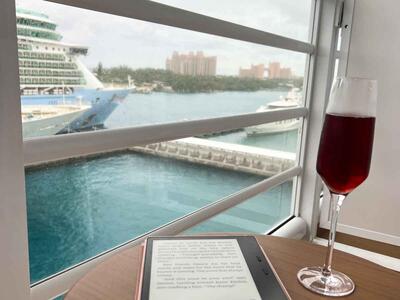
(345, 150)
(343, 163)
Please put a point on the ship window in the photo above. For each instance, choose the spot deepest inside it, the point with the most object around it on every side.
(197, 95)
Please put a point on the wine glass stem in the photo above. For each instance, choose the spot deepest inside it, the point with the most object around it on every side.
(336, 203)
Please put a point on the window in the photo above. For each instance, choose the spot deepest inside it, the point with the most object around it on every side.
(201, 143)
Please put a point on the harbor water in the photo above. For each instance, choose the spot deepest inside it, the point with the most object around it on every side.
(156, 108)
(79, 209)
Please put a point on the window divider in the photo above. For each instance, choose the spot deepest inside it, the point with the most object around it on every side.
(309, 184)
(307, 88)
(59, 147)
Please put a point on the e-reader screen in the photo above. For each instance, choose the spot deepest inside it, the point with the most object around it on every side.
(198, 268)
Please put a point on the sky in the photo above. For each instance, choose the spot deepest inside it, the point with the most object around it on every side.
(115, 40)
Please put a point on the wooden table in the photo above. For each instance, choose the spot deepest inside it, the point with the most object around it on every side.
(115, 278)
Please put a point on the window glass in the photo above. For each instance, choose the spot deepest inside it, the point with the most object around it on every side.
(90, 75)
(81, 208)
(284, 17)
(258, 214)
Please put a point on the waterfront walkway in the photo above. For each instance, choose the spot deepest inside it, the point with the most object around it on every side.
(254, 160)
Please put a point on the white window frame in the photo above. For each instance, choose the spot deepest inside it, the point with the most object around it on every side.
(14, 270)
(15, 153)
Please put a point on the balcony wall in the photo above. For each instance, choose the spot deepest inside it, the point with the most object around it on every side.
(372, 210)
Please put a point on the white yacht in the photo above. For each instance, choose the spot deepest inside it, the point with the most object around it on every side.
(292, 100)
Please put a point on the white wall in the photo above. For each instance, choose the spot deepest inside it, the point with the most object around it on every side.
(375, 53)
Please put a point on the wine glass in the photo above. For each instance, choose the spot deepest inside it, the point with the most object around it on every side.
(343, 162)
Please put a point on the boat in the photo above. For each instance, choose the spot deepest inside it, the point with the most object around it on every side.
(43, 120)
(292, 100)
(65, 96)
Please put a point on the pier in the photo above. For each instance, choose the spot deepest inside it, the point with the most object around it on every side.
(254, 160)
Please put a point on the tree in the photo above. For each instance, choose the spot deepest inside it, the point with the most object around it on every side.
(100, 70)
(190, 84)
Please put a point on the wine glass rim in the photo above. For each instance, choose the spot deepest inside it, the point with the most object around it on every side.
(356, 78)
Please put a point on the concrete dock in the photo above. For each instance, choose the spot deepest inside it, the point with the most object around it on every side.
(254, 160)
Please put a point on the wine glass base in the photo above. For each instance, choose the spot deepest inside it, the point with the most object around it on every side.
(335, 285)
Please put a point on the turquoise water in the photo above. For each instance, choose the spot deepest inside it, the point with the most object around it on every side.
(140, 109)
(144, 109)
(78, 210)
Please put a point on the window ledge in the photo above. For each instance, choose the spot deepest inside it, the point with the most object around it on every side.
(295, 229)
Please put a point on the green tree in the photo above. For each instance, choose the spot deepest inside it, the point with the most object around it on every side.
(99, 70)
(191, 84)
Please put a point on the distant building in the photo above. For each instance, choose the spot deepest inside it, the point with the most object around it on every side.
(192, 64)
(255, 71)
(286, 73)
(275, 71)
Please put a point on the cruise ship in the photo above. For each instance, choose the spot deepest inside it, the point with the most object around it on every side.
(292, 100)
(58, 92)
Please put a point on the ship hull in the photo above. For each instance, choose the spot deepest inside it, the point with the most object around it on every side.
(49, 126)
(102, 103)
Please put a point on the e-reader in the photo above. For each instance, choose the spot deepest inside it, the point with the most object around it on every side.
(207, 267)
